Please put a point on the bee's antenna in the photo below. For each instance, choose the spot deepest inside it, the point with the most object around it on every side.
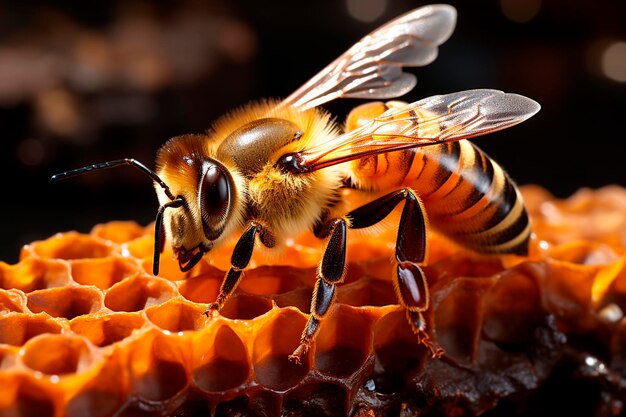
(158, 232)
(112, 164)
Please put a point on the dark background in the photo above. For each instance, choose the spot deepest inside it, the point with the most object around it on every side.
(93, 81)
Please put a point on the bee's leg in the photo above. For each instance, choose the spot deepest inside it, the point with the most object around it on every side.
(409, 280)
(330, 272)
(239, 261)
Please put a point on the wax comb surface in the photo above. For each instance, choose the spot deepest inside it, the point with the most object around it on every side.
(86, 330)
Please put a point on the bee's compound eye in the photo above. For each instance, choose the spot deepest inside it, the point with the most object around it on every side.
(214, 197)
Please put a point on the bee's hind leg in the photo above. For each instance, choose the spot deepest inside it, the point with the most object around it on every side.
(409, 280)
(239, 261)
(330, 272)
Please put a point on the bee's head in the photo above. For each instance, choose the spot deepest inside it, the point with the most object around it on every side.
(202, 206)
(199, 196)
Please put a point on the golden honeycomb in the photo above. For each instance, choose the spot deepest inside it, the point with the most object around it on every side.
(87, 330)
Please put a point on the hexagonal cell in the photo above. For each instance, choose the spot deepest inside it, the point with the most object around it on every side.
(458, 311)
(95, 402)
(299, 298)
(367, 291)
(102, 392)
(265, 403)
(318, 399)
(25, 396)
(512, 309)
(138, 292)
(220, 360)
(275, 279)
(567, 290)
(71, 245)
(242, 405)
(103, 272)
(202, 288)
(106, 329)
(246, 307)
(57, 354)
(18, 328)
(32, 274)
(177, 316)
(194, 405)
(274, 341)
(158, 366)
(344, 341)
(142, 247)
(12, 301)
(119, 231)
(67, 302)
(397, 351)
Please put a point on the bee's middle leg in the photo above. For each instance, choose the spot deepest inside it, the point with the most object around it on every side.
(239, 261)
(330, 272)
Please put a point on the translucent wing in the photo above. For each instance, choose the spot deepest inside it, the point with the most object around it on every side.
(372, 68)
(430, 121)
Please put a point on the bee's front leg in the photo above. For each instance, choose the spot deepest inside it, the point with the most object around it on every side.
(330, 272)
(239, 261)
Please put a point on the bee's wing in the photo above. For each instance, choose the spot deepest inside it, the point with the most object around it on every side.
(372, 68)
(430, 121)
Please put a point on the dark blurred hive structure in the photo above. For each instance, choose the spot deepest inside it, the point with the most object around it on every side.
(85, 330)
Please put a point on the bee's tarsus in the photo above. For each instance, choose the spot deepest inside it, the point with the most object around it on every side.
(418, 325)
(301, 350)
(212, 310)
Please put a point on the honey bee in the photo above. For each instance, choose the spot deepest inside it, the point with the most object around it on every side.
(271, 170)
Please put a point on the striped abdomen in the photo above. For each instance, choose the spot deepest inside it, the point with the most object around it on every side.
(467, 196)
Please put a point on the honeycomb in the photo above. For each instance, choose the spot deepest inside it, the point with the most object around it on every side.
(86, 330)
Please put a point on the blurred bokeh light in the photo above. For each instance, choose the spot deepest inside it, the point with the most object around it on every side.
(366, 10)
(520, 11)
(614, 61)
(88, 82)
